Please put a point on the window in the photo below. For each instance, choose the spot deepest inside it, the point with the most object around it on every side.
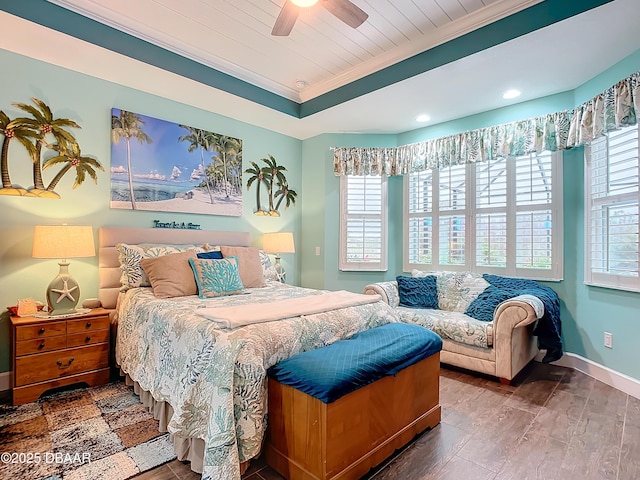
(612, 195)
(363, 222)
(503, 216)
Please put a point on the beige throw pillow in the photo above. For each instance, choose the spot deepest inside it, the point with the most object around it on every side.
(171, 275)
(249, 264)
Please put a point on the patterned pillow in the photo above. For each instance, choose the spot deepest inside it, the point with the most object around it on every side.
(268, 270)
(457, 290)
(418, 292)
(216, 278)
(131, 273)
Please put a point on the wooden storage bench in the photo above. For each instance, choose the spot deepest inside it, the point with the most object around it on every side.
(316, 435)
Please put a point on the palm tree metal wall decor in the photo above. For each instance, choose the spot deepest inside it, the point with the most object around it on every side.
(271, 175)
(34, 134)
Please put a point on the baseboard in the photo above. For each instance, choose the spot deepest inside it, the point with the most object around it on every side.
(618, 380)
(5, 381)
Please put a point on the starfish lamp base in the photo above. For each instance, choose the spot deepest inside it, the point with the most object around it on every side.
(63, 293)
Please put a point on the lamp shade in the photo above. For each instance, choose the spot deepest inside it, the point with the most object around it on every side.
(280, 242)
(63, 241)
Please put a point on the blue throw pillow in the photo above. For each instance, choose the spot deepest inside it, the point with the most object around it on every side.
(216, 278)
(484, 306)
(418, 292)
(211, 255)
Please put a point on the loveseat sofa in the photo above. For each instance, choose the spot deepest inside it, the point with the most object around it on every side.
(501, 346)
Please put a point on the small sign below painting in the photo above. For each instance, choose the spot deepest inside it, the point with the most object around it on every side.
(162, 166)
(176, 225)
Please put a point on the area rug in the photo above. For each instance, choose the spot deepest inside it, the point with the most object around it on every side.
(81, 434)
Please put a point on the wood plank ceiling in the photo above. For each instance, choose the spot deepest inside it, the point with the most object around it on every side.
(234, 36)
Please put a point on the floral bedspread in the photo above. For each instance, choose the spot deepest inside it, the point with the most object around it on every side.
(215, 379)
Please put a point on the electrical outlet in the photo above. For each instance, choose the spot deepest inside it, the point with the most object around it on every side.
(317, 251)
(608, 340)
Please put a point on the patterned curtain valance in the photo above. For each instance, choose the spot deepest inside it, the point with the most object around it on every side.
(612, 109)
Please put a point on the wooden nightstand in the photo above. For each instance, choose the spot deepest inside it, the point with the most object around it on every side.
(49, 353)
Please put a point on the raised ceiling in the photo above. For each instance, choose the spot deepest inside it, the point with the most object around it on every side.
(447, 58)
(235, 36)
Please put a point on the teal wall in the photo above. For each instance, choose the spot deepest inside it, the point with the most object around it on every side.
(88, 101)
(321, 213)
(587, 312)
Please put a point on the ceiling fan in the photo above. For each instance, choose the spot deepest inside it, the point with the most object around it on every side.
(344, 10)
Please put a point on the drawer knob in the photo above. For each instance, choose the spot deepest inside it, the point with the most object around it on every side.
(41, 346)
(61, 365)
(88, 324)
(41, 331)
(88, 339)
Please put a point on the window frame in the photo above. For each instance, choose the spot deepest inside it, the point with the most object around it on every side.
(601, 279)
(343, 264)
(555, 273)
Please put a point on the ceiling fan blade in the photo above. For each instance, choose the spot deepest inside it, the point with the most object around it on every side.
(286, 20)
(346, 11)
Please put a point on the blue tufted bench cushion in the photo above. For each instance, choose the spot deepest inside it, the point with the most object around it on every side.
(333, 371)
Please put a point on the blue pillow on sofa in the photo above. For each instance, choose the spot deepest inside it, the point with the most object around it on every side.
(213, 255)
(418, 292)
(484, 306)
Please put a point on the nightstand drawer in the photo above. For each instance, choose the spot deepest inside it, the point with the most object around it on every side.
(87, 338)
(87, 324)
(47, 366)
(40, 330)
(39, 345)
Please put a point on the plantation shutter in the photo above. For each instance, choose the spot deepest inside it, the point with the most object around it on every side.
(452, 215)
(613, 194)
(363, 225)
(491, 216)
(419, 218)
(534, 215)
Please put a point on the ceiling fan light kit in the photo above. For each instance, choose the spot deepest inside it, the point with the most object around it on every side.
(344, 10)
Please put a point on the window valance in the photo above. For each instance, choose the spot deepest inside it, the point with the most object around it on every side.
(614, 108)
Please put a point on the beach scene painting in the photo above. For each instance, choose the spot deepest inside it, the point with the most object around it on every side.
(164, 166)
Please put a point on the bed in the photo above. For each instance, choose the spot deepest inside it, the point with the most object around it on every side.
(204, 381)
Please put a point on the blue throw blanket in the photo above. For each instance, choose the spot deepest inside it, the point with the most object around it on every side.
(548, 329)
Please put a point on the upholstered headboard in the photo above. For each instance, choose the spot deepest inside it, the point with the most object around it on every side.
(109, 237)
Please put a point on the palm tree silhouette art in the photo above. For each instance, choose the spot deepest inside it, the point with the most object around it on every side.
(43, 124)
(271, 175)
(284, 193)
(13, 131)
(72, 157)
(258, 177)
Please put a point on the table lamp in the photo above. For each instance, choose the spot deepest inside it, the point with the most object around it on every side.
(63, 242)
(277, 243)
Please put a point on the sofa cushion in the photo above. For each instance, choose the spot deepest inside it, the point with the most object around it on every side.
(455, 326)
(418, 292)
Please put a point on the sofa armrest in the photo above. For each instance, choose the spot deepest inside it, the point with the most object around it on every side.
(518, 312)
(387, 290)
(513, 341)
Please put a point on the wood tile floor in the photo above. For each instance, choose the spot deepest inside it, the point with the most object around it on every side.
(552, 423)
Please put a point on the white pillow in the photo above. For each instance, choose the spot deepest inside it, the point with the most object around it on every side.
(131, 273)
